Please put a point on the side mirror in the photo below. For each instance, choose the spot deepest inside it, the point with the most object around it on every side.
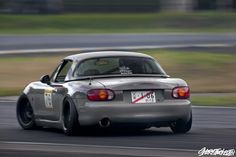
(45, 79)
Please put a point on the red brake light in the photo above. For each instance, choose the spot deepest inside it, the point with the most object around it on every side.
(181, 92)
(100, 94)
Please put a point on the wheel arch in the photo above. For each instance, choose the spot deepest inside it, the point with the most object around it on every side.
(69, 125)
(68, 99)
(23, 99)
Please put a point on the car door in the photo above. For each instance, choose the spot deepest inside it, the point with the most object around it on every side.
(53, 94)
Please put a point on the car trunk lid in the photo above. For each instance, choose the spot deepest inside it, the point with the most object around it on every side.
(137, 83)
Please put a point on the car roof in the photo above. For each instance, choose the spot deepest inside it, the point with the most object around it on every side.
(95, 54)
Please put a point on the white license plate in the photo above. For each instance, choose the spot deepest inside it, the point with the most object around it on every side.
(143, 97)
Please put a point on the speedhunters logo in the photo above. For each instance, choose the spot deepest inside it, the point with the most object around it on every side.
(219, 151)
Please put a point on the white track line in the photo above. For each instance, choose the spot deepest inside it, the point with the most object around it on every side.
(6, 101)
(61, 50)
(215, 107)
(209, 107)
(97, 146)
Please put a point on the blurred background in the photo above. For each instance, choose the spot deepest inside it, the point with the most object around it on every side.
(192, 39)
(69, 6)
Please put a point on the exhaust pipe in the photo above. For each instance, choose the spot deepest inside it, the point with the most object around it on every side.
(105, 123)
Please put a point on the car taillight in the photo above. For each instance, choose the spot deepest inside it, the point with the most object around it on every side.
(181, 92)
(100, 94)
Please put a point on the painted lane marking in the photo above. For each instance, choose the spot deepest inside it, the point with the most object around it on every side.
(210, 107)
(97, 146)
(7, 101)
(214, 107)
(61, 50)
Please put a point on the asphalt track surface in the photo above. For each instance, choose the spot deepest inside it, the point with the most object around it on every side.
(26, 42)
(213, 127)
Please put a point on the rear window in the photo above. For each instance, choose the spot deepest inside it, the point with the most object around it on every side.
(117, 65)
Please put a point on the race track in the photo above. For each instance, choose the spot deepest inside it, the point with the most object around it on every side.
(26, 42)
(213, 127)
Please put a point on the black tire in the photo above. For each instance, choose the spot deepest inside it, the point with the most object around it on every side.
(181, 126)
(70, 123)
(25, 113)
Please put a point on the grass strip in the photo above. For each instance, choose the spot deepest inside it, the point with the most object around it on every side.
(214, 100)
(119, 22)
(205, 72)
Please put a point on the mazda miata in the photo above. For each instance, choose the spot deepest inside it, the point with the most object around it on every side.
(106, 89)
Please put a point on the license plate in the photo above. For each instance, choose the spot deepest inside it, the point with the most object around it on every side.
(143, 97)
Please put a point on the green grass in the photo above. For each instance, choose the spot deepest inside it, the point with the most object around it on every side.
(215, 100)
(119, 23)
(10, 92)
(205, 72)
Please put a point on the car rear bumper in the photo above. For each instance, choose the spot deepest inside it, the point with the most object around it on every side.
(119, 113)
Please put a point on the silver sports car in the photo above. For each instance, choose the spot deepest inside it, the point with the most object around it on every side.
(106, 89)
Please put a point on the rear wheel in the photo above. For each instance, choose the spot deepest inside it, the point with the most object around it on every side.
(69, 117)
(181, 126)
(25, 113)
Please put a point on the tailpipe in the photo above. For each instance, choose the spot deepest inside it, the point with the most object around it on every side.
(105, 122)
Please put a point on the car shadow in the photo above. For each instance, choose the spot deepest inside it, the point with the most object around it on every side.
(120, 132)
(123, 132)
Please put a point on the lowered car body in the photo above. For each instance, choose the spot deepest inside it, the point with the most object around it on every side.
(106, 89)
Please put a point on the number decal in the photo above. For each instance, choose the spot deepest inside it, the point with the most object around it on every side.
(48, 98)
